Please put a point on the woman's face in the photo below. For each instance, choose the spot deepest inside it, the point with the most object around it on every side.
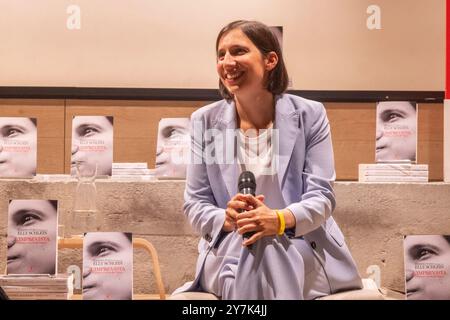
(18, 145)
(396, 131)
(107, 266)
(173, 147)
(92, 142)
(32, 236)
(240, 64)
(427, 266)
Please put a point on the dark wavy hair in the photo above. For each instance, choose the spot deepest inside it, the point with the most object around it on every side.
(266, 41)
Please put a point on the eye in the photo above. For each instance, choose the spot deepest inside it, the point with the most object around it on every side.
(29, 219)
(424, 253)
(176, 133)
(89, 131)
(13, 132)
(104, 250)
(391, 116)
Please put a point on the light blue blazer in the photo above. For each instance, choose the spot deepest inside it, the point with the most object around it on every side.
(306, 175)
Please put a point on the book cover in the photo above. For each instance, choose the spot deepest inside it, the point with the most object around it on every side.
(396, 131)
(32, 237)
(172, 151)
(18, 147)
(92, 145)
(427, 267)
(107, 266)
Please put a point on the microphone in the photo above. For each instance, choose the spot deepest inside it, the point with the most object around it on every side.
(247, 185)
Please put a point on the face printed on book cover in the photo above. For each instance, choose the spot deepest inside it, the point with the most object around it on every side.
(173, 147)
(396, 131)
(92, 143)
(107, 266)
(32, 236)
(18, 145)
(427, 265)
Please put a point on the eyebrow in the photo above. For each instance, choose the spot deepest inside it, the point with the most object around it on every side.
(103, 243)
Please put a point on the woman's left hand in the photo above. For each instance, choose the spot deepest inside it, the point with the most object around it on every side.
(262, 220)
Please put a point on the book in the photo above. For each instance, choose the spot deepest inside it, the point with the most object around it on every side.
(107, 266)
(427, 267)
(20, 287)
(36, 280)
(383, 172)
(396, 131)
(92, 146)
(18, 144)
(173, 146)
(32, 236)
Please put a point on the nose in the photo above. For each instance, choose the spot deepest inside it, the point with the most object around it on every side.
(409, 274)
(11, 240)
(74, 148)
(86, 272)
(229, 61)
(1, 147)
(379, 132)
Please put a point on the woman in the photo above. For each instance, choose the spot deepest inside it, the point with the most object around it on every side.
(92, 145)
(296, 250)
(396, 131)
(32, 236)
(18, 146)
(107, 266)
(427, 263)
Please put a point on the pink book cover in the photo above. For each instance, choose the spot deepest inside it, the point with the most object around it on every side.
(18, 147)
(107, 266)
(32, 237)
(427, 267)
(92, 145)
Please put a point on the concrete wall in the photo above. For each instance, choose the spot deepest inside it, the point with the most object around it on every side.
(373, 217)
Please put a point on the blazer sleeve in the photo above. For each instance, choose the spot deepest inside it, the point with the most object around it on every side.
(200, 206)
(318, 200)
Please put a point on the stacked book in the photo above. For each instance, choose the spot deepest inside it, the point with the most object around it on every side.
(393, 172)
(37, 287)
(131, 170)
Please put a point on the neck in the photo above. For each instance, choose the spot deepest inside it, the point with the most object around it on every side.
(256, 111)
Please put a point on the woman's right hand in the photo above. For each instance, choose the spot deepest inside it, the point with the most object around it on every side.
(234, 206)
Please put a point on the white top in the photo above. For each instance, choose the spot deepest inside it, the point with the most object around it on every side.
(255, 154)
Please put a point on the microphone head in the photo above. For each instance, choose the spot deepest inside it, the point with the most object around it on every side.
(247, 183)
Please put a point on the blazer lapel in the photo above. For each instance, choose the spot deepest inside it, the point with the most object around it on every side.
(287, 122)
(228, 167)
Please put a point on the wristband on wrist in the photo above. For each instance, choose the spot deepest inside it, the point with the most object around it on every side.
(282, 225)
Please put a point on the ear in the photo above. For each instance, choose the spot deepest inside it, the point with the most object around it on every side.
(271, 60)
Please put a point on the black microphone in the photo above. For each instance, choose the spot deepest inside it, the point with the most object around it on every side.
(247, 185)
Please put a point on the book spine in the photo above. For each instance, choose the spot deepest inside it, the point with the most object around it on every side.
(401, 173)
(392, 179)
(385, 166)
(128, 165)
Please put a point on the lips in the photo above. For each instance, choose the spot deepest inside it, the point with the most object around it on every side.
(233, 77)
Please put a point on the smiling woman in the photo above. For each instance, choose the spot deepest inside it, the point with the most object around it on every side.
(18, 147)
(267, 245)
(32, 235)
(107, 266)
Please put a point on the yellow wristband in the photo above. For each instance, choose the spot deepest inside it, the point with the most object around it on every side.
(282, 222)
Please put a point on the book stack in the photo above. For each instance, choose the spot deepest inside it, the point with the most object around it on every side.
(38, 287)
(132, 170)
(393, 172)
